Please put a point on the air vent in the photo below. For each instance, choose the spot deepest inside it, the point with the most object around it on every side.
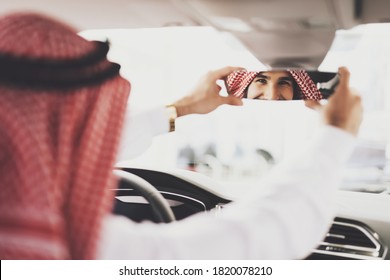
(351, 239)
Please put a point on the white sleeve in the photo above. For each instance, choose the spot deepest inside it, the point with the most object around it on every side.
(286, 217)
(139, 128)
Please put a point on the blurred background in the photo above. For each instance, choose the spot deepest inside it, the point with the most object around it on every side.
(165, 46)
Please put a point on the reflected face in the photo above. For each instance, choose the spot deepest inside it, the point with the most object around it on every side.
(275, 85)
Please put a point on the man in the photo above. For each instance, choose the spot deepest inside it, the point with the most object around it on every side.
(291, 84)
(63, 115)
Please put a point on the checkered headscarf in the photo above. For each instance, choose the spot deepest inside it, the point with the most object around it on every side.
(61, 111)
(238, 82)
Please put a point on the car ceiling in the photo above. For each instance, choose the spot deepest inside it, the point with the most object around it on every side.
(278, 32)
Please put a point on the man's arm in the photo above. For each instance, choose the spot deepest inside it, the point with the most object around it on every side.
(140, 128)
(284, 218)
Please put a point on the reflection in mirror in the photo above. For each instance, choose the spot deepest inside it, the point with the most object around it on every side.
(284, 84)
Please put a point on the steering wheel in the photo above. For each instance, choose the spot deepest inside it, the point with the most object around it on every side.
(159, 204)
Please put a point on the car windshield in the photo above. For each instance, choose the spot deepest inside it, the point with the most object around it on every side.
(240, 144)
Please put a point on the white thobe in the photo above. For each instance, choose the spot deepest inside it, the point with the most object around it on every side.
(285, 218)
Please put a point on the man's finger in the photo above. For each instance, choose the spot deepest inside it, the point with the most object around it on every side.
(232, 100)
(344, 77)
(313, 104)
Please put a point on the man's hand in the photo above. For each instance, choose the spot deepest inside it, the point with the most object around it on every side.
(344, 108)
(205, 96)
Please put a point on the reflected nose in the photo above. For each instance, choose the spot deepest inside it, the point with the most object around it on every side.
(271, 93)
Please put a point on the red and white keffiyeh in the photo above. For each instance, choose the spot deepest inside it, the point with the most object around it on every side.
(239, 81)
(62, 105)
(308, 89)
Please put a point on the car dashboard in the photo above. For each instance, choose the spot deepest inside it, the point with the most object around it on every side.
(360, 231)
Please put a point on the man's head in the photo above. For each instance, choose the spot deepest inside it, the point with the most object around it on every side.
(289, 84)
(62, 104)
(272, 85)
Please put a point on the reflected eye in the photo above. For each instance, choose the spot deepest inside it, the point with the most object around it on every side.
(285, 83)
(261, 81)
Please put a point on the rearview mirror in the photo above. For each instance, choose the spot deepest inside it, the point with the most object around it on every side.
(282, 84)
